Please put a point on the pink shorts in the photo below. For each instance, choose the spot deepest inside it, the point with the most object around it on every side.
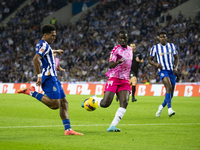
(116, 85)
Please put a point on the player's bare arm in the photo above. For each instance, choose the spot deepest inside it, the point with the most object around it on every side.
(138, 60)
(59, 51)
(113, 64)
(176, 61)
(36, 63)
(158, 65)
(60, 68)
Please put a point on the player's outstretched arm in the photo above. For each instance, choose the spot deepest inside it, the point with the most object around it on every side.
(60, 68)
(59, 51)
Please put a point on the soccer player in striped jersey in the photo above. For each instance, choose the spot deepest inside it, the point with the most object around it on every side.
(167, 64)
(54, 96)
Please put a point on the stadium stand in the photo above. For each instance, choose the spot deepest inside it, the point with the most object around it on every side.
(87, 44)
(8, 6)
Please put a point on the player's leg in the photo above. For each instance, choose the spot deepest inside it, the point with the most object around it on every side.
(168, 87)
(106, 100)
(173, 82)
(124, 97)
(123, 91)
(109, 92)
(64, 114)
(172, 92)
(134, 82)
(167, 101)
(167, 83)
(52, 103)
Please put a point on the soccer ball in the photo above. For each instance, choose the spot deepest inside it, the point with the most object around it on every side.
(90, 104)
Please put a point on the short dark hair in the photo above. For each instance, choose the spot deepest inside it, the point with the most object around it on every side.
(123, 32)
(133, 43)
(48, 28)
(162, 32)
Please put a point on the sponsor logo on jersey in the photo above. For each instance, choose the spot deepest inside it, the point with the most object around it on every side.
(41, 51)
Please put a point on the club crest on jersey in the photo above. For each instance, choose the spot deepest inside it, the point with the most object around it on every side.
(162, 74)
(41, 51)
(54, 88)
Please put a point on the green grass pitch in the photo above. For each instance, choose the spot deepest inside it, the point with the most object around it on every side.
(27, 124)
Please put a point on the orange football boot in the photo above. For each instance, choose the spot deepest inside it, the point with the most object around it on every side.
(72, 132)
(27, 90)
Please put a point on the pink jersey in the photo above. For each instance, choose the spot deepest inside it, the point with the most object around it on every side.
(121, 71)
(57, 62)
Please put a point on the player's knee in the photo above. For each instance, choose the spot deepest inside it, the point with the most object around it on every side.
(169, 89)
(124, 103)
(104, 104)
(54, 107)
(64, 101)
(134, 83)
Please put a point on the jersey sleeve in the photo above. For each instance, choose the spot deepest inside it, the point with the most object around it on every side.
(41, 49)
(113, 55)
(175, 52)
(58, 61)
(140, 56)
(153, 51)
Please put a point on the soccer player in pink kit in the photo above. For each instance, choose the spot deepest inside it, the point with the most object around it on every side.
(118, 79)
(57, 61)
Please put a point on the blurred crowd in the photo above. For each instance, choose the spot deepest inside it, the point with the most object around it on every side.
(87, 45)
(8, 6)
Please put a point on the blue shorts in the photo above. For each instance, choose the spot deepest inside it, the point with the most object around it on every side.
(167, 73)
(52, 87)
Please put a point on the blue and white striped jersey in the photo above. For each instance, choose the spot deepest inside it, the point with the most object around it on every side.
(48, 60)
(165, 55)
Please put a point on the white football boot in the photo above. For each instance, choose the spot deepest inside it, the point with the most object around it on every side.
(158, 113)
(171, 112)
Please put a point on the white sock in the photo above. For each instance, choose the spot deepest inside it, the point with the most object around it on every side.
(98, 100)
(118, 116)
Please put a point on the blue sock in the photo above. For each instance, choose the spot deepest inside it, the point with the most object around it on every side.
(37, 95)
(168, 99)
(66, 124)
(164, 103)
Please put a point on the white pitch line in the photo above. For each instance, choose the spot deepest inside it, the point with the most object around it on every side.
(154, 124)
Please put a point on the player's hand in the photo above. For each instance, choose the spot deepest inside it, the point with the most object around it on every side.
(39, 81)
(137, 59)
(158, 65)
(119, 61)
(175, 71)
(60, 51)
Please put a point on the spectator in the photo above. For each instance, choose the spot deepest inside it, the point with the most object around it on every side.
(53, 21)
(87, 44)
(168, 18)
